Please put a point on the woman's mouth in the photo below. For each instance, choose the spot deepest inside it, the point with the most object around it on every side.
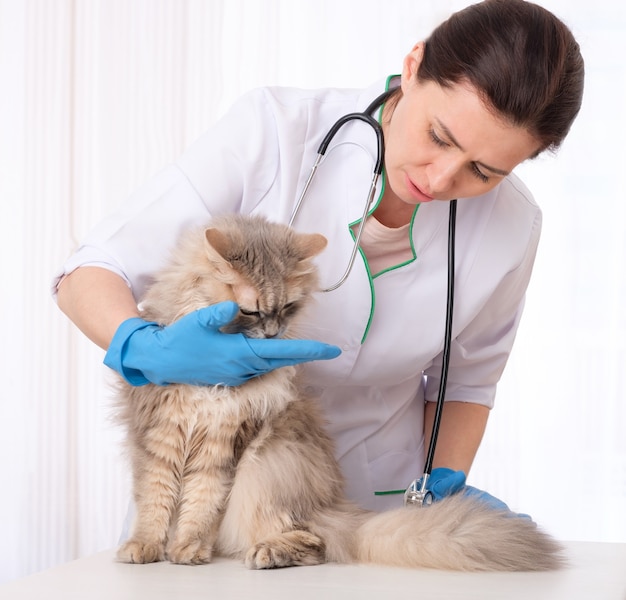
(416, 192)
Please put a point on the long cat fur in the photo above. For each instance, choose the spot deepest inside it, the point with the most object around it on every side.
(249, 471)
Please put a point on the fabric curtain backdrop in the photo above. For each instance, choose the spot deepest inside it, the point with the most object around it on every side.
(100, 94)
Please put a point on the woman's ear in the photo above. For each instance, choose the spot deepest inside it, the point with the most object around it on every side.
(412, 62)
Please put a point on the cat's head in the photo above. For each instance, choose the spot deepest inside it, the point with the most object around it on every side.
(267, 269)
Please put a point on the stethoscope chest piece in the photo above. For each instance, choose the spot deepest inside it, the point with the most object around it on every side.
(417, 495)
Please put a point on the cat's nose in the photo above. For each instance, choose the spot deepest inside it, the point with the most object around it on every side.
(272, 329)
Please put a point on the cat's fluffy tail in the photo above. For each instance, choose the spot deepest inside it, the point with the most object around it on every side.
(457, 533)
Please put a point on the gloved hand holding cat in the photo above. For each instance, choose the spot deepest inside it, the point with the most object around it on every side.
(194, 351)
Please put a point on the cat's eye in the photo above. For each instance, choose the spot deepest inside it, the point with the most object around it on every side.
(289, 308)
(249, 313)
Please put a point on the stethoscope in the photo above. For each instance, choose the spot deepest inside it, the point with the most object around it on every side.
(417, 494)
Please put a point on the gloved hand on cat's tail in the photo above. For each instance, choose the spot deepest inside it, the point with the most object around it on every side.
(194, 351)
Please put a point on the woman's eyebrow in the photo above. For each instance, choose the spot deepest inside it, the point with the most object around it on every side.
(455, 142)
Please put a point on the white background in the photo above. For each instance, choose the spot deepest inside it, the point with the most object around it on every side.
(97, 95)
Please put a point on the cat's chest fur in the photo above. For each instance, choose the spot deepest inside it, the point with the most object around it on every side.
(216, 409)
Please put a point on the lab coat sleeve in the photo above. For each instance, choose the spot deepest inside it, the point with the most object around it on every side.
(228, 169)
(479, 353)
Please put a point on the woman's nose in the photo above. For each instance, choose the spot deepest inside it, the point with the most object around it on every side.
(442, 176)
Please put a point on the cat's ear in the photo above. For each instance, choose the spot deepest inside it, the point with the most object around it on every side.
(310, 244)
(218, 247)
(217, 242)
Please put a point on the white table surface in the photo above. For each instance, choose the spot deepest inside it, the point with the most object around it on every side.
(597, 571)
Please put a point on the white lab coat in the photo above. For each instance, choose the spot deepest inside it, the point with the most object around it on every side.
(391, 327)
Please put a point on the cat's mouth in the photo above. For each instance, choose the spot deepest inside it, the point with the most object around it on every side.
(257, 333)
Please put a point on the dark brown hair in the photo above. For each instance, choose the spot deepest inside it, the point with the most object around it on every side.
(521, 58)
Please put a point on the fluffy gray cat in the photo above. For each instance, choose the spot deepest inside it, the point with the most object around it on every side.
(249, 471)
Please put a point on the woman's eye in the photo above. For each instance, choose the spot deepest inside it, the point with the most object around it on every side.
(479, 174)
(442, 144)
(436, 139)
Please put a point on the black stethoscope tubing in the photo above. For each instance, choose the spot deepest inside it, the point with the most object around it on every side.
(447, 340)
(413, 495)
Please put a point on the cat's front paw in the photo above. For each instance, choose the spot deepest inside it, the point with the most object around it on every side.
(187, 552)
(135, 551)
(286, 550)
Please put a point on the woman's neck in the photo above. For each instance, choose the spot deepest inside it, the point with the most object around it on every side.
(393, 212)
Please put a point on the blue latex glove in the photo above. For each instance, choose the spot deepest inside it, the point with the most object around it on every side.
(445, 482)
(194, 351)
